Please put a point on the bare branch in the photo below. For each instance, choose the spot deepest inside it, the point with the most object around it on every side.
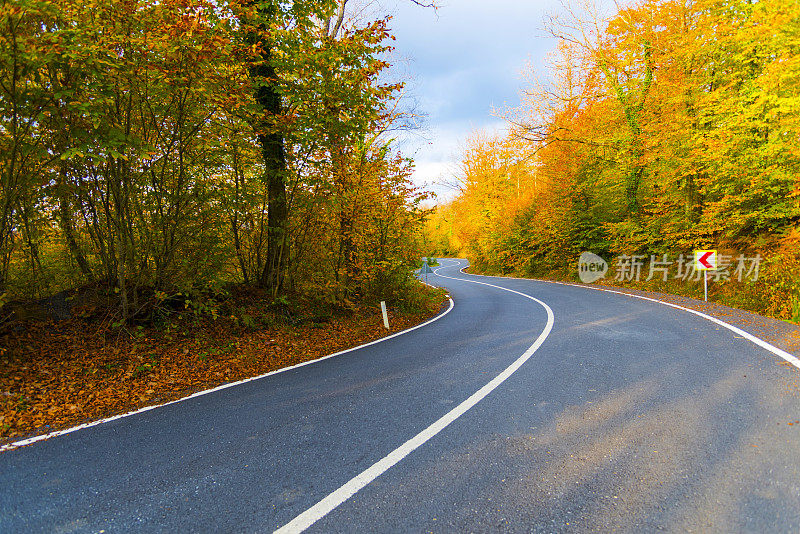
(339, 19)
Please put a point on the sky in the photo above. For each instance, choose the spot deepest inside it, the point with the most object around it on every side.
(463, 64)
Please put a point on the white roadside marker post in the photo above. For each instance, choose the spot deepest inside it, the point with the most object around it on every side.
(385, 315)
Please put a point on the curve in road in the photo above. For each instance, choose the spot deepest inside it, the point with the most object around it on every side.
(329, 503)
(634, 417)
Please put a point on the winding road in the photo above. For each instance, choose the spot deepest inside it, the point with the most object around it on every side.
(527, 406)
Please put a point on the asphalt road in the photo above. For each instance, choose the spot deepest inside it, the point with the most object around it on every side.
(607, 413)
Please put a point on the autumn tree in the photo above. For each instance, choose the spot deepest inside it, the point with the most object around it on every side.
(26, 47)
(668, 126)
(162, 150)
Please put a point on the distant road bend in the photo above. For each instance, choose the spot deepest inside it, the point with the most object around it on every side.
(528, 407)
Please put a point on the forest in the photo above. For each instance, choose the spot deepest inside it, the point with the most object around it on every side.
(162, 151)
(670, 126)
(194, 192)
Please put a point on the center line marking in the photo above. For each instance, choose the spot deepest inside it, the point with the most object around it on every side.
(329, 503)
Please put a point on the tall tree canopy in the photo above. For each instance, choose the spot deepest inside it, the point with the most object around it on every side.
(672, 125)
(171, 146)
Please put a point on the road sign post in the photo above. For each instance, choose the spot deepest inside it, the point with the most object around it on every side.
(705, 260)
(425, 270)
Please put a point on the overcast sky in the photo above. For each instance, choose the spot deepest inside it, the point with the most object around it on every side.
(462, 61)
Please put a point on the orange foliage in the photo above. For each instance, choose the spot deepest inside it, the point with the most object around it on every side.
(668, 127)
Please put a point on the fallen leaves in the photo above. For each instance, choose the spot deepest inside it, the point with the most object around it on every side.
(56, 375)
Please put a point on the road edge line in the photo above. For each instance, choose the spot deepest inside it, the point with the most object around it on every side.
(323, 507)
(786, 356)
(29, 441)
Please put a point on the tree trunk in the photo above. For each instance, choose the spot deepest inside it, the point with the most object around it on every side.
(632, 110)
(274, 157)
(65, 216)
(272, 151)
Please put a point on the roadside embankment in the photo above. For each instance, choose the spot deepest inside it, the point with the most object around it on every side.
(57, 374)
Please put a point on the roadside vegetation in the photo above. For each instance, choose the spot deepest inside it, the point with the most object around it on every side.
(193, 191)
(671, 126)
(58, 374)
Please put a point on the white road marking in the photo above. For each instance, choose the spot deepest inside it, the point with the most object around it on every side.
(343, 493)
(744, 334)
(34, 439)
(735, 329)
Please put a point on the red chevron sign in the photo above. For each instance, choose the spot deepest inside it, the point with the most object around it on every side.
(705, 260)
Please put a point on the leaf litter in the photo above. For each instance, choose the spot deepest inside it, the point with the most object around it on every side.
(54, 375)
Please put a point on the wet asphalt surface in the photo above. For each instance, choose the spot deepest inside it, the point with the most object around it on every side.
(631, 416)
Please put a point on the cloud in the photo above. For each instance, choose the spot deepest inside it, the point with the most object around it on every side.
(463, 61)
(437, 152)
